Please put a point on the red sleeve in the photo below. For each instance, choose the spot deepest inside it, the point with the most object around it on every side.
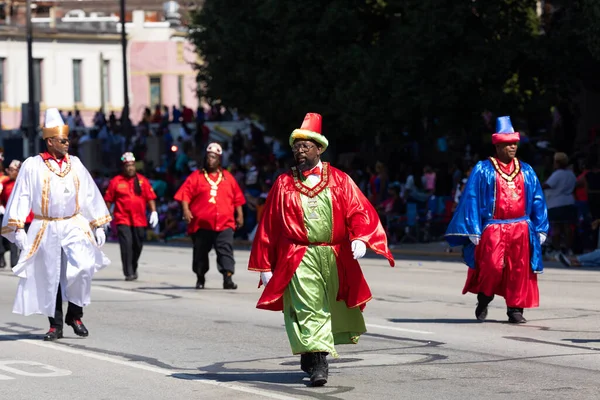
(185, 192)
(263, 256)
(109, 196)
(148, 191)
(363, 221)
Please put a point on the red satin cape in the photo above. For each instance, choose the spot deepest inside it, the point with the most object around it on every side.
(281, 239)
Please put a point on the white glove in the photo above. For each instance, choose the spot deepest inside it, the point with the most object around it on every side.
(542, 237)
(100, 237)
(359, 249)
(21, 239)
(2, 210)
(474, 240)
(265, 277)
(153, 219)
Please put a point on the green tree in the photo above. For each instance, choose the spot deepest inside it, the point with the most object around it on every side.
(372, 66)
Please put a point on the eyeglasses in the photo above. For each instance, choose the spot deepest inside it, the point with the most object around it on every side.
(302, 146)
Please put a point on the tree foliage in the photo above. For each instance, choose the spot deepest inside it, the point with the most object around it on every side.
(374, 66)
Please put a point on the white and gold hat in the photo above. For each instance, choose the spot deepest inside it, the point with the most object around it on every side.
(54, 125)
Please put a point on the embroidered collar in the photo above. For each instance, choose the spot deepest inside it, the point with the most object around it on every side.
(504, 175)
(305, 190)
(47, 157)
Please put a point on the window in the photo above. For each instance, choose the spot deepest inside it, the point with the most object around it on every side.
(2, 79)
(180, 88)
(105, 82)
(155, 91)
(37, 79)
(77, 81)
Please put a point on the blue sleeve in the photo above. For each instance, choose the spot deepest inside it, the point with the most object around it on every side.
(467, 218)
(539, 211)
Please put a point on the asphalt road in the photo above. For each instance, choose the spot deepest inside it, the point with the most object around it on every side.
(159, 338)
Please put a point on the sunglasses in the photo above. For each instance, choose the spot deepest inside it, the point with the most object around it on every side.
(62, 141)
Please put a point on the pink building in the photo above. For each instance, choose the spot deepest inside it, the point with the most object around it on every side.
(161, 66)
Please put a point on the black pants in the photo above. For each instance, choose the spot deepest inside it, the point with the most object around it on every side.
(14, 251)
(131, 240)
(73, 312)
(204, 241)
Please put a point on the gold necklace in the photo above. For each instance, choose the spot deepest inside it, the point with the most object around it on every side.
(214, 186)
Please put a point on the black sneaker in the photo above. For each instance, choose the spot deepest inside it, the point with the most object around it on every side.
(515, 316)
(200, 283)
(228, 283)
(483, 301)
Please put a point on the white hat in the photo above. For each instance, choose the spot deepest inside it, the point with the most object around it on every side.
(215, 148)
(128, 157)
(16, 164)
(54, 124)
(53, 118)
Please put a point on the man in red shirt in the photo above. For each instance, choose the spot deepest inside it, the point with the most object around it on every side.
(210, 199)
(130, 192)
(7, 183)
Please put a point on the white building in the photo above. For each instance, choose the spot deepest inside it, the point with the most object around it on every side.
(72, 70)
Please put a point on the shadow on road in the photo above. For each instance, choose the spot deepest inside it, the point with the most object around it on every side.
(22, 336)
(582, 340)
(259, 377)
(439, 321)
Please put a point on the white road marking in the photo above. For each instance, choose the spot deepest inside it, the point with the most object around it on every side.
(156, 370)
(393, 328)
(116, 290)
(51, 371)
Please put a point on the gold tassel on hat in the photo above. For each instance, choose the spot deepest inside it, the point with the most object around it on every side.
(62, 130)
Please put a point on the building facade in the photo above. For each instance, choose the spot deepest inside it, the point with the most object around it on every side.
(72, 71)
(161, 62)
(78, 63)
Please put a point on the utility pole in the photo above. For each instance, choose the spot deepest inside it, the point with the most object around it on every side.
(31, 129)
(125, 125)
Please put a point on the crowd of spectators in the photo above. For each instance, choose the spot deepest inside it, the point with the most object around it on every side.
(415, 200)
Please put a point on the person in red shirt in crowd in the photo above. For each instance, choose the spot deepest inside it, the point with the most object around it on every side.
(130, 192)
(7, 183)
(210, 199)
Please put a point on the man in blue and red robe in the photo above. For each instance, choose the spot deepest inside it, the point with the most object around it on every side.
(501, 222)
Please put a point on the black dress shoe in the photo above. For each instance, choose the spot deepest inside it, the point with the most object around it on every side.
(129, 278)
(78, 327)
(200, 283)
(515, 316)
(134, 276)
(228, 283)
(53, 334)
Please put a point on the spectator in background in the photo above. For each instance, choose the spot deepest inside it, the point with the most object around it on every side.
(429, 178)
(130, 192)
(560, 201)
(592, 184)
(212, 206)
(157, 117)
(591, 259)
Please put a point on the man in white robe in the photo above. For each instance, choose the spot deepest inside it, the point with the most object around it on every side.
(61, 250)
